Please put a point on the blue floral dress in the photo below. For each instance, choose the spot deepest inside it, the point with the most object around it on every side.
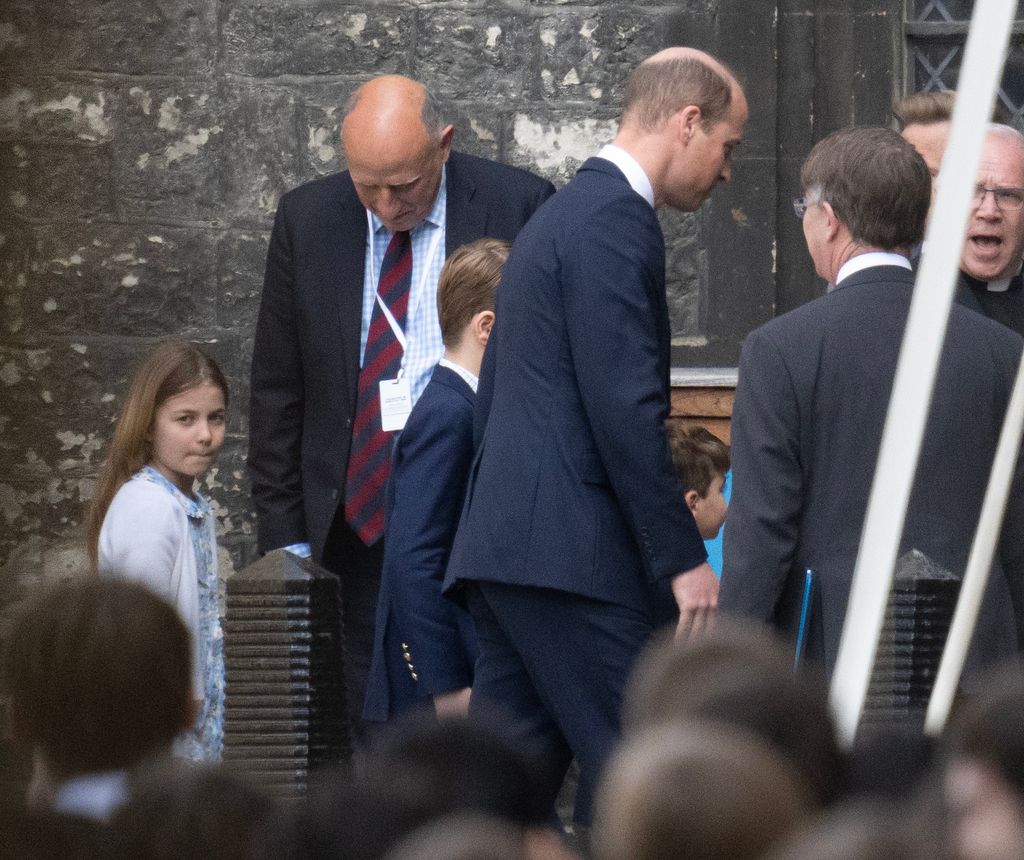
(205, 741)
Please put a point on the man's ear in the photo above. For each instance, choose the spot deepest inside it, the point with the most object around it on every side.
(482, 324)
(446, 141)
(832, 222)
(688, 121)
(691, 497)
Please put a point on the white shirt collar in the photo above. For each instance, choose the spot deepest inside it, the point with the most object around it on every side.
(471, 380)
(630, 168)
(869, 261)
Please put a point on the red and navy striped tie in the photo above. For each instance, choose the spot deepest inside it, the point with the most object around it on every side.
(369, 458)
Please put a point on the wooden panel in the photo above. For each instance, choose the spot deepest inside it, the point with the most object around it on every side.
(709, 407)
(708, 402)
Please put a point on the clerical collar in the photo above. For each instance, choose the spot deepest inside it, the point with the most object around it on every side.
(1004, 285)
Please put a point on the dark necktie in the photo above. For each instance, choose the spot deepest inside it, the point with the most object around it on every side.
(369, 458)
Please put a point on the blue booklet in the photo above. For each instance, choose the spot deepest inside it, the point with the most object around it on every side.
(797, 614)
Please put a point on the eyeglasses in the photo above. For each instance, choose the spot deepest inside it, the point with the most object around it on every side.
(801, 205)
(1006, 199)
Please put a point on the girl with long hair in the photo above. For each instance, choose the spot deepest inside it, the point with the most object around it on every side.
(147, 521)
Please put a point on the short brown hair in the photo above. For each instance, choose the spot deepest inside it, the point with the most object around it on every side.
(657, 89)
(698, 456)
(98, 672)
(877, 184)
(934, 107)
(467, 286)
(923, 108)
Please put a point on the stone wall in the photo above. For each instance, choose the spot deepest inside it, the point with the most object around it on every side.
(143, 148)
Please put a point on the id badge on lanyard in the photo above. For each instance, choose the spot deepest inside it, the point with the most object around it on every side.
(396, 394)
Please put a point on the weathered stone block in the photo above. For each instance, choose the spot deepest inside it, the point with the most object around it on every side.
(749, 40)
(796, 281)
(226, 485)
(588, 57)
(50, 182)
(319, 108)
(61, 109)
(56, 408)
(261, 153)
(32, 563)
(833, 102)
(241, 260)
(476, 54)
(876, 75)
(129, 282)
(796, 82)
(226, 348)
(130, 36)
(738, 229)
(686, 275)
(479, 129)
(703, 7)
(16, 26)
(315, 38)
(555, 144)
(170, 146)
(695, 29)
(15, 247)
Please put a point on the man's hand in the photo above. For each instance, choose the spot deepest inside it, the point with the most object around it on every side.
(452, 704)
(696, 594)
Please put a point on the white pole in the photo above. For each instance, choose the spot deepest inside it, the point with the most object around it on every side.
(918, 362)
(979, 565)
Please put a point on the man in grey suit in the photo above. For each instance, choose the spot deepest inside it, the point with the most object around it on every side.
(813, 391)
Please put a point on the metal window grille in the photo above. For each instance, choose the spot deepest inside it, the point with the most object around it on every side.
(935, 32)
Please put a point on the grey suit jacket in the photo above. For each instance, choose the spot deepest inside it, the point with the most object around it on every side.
(811, 401)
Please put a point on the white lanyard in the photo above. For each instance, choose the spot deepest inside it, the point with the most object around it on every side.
(417, 290)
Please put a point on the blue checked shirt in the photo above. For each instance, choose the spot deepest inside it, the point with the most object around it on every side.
(424, 347)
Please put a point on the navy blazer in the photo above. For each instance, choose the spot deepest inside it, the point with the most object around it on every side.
(305, 362)
(428, 480)
(573, 486)
(811, 402)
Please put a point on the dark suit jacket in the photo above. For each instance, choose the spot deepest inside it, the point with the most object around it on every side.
(306, 353)
(573, 486)
(425, 493)
(813, 392)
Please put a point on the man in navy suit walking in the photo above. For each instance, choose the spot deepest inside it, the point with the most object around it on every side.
(574, 539)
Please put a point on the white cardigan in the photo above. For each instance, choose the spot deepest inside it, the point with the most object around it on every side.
(145, 537)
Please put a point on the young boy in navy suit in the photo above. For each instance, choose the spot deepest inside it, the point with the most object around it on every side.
(424, 644)
(701, 461)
